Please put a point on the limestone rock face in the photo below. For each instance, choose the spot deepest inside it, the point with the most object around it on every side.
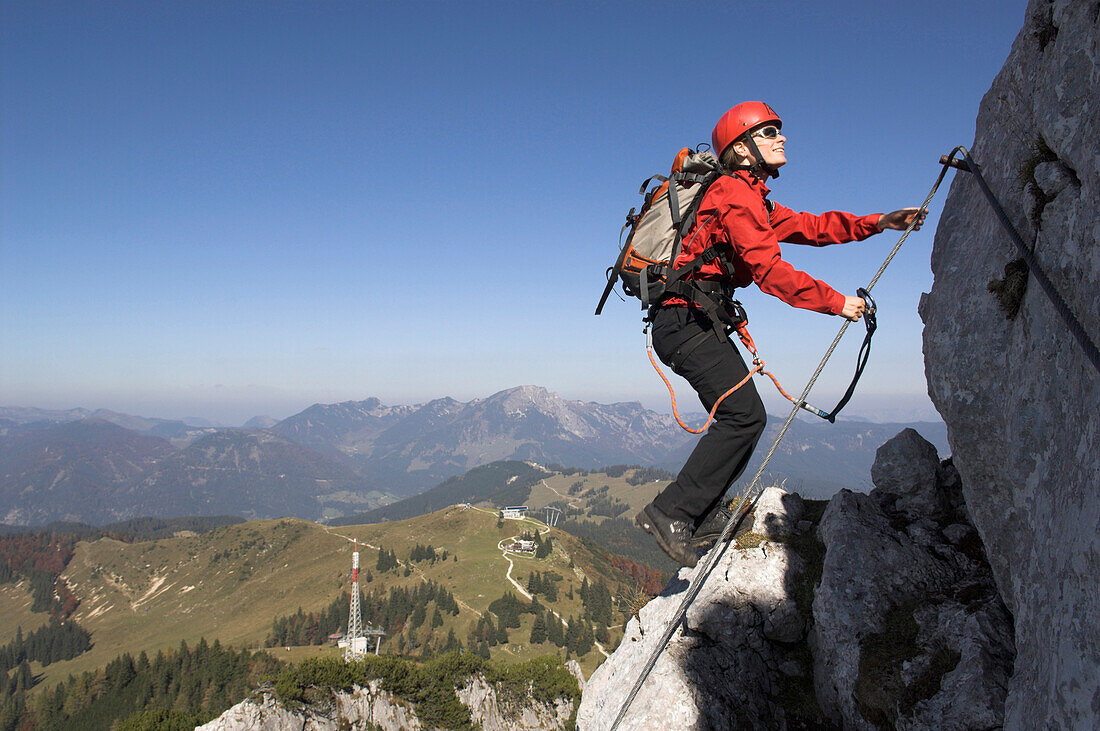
(491, 715)
(777, 513)
(362, 708)
(369, 708)
(905, 468)
(909, 631)
(574, 669)
(738, 654)
(862, 614)
(1019, 397)
(264, 714)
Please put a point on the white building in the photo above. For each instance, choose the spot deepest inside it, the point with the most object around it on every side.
(514, 512)
(522, 546)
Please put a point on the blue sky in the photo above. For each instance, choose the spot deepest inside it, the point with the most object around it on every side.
(238, 208)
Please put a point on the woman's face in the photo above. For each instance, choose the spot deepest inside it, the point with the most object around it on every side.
(771, 143)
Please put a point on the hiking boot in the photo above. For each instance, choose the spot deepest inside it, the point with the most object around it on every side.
(673, 536)
(714, 523)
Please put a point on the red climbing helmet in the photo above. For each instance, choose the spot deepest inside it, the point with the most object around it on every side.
(739, 120)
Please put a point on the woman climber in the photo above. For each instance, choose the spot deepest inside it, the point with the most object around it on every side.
(739, 230)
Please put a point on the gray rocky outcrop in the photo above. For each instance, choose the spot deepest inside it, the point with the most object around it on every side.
(738, 658)
(367, 707)
(265, 714)
(875, 611)
(776, 514)
(1019, 397)
(905, 472)
(370, 707)
(909, 631)
(490, 714)
(574, 669)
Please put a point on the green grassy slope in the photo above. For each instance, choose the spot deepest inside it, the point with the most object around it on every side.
(499, 483)
(232, 582)
(604, 506)
(15, 611)
(580, 499)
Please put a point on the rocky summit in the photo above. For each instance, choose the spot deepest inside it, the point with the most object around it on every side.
(870, 612)
(371, 707)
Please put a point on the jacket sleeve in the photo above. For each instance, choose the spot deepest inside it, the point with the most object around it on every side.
(754, 241)
(832, 227)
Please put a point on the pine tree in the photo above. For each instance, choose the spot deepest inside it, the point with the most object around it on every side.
(572, 634)
(585, 640)
(538, 630)
(418, 616)
(555, 633)
(386, 560)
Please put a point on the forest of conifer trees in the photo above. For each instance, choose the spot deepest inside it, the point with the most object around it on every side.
(47, 644)
(176, 689)
(391, 612)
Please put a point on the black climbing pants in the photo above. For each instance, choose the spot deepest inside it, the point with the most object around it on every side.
(712, 366)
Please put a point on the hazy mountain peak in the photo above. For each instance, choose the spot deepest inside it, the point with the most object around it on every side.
(260, 422)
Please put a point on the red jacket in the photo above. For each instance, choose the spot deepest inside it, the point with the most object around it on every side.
(735, 212)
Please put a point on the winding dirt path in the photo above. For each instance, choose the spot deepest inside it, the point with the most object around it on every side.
(572, 501)
(543, 530)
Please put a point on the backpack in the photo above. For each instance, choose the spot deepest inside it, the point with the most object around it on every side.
(645, 264)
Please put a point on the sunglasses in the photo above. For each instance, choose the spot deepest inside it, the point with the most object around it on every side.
(770, 132)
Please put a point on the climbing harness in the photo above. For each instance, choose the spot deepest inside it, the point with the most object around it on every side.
(745, 506)
(742, 330)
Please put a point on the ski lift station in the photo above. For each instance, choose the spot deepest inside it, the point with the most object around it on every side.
(514, 512)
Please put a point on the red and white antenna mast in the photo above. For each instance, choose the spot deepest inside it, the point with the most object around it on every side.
(355, 643)
(356, 646)
(355, 562)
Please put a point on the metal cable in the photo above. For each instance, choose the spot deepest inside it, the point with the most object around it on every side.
(1072, 322)
(742, 509)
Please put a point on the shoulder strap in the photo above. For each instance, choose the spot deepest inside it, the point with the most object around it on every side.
(683, 226)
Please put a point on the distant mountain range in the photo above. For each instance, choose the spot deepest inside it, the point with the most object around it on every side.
(96, 472)
(178, 431)
(337, 459)
(498, 483)
(407, 449)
